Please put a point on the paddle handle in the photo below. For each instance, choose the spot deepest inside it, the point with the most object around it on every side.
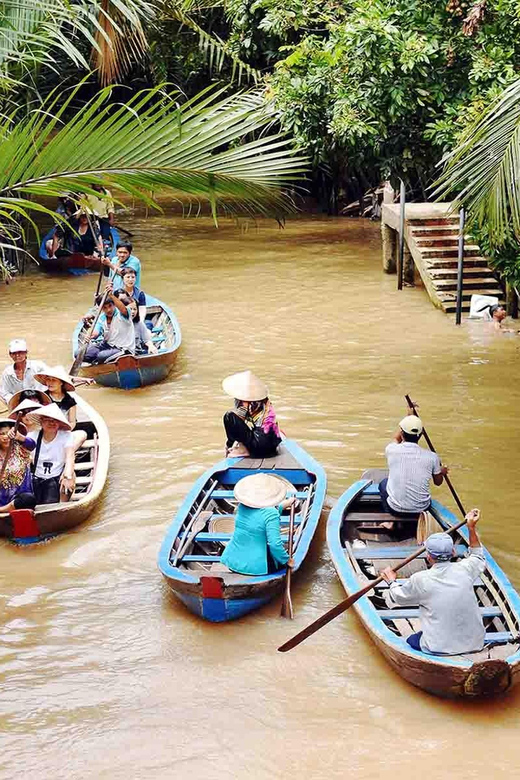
(287, 610)
(10, 447)
(348, 602)
(81, 352)
(453, 492)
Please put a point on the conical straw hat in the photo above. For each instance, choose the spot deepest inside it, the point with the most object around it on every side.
(245, 386)
(7, 421)
(53, 412)
(58, 372)
(16, 399)
(25, 407)
(260, 490)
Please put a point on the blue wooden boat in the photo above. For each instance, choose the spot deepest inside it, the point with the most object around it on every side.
(76, 263)
(129, 372)
(190, 554)
(360, 548)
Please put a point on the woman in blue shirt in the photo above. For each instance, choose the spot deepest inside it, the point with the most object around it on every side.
(257, 536)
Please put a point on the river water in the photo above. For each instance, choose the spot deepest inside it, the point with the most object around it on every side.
(103, 675)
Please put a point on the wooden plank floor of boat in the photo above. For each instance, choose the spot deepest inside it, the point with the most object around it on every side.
(282, 460)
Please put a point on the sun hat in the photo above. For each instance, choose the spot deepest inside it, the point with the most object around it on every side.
(53, 412)
(260, 490)
(11, 423)
(439, 546)
(411, 424)
(16, 399)
(245, 386)
(18, 345)
(57, 372)
(25, 407)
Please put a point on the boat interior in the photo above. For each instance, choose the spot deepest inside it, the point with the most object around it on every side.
(373, 539)
(86, 456)
(209, 524)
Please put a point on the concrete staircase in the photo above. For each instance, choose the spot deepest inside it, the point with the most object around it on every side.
(431, 233)
(437, 241)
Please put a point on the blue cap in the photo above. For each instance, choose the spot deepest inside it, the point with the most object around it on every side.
(439, 546)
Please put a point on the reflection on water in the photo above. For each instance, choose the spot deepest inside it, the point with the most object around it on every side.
(103, 674)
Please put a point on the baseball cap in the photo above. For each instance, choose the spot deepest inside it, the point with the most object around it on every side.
(439, 546)
(18, 345)
(411, 424)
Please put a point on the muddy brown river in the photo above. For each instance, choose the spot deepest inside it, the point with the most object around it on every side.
(103, 675)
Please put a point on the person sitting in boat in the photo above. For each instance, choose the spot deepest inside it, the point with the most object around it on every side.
(123, 259)
(115, 327)
(451, 622)
(16, 489)
(19, 376)
(406, 491)
(129, 276)
(143, 337)
(54, 479)
(256, 546)
(59, 386)
(251, 427)
(82, 236)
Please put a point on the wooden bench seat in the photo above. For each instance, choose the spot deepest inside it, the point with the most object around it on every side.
(413, 612)
(395, 553)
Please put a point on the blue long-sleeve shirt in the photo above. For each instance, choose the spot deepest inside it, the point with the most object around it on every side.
(256, 530)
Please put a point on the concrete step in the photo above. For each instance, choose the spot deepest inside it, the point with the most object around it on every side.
(447, 297)
(447, 273)
(468, 284)
(451, 241)
(483, 278)
(452, 262)
(471, 250)
(435, 230)
(450, 221)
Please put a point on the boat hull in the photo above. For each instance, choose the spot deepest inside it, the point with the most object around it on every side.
(76, 263)
(223, 596)
(468, 676)
(48, 520)
(130, 372)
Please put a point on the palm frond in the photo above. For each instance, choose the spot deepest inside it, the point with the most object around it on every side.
(483, 172)
(120, 42)
(196, 150)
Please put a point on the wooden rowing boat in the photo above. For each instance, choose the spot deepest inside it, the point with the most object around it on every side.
(129, 371)
(91, 467)
(190, 554)
(360, 548)
(75, 263)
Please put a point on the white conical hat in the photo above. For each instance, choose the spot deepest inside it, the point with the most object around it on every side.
(245, 386)
(25, 407)
(260, 490)
(57, 372)
(53, 412)
(7, 421)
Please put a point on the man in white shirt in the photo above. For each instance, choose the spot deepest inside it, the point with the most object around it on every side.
(20, 376)
(407, 489)
(450, 617)
(117, 328)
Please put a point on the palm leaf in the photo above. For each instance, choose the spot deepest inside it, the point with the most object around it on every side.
(483, 172)
(150, 144)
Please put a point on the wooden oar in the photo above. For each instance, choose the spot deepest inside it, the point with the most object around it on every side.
(81, 351)
(287, 607)
(10, 446)
(344, 605)
(413, 410)
(186, 539)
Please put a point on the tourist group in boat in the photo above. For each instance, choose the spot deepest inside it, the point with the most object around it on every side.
(247, 524)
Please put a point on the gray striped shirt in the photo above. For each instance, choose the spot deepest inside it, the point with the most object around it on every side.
(411, 467)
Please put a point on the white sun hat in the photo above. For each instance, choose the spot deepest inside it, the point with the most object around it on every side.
(260, 490)
(17, 345)
(57, 372)
(53, 412)
(245, 386)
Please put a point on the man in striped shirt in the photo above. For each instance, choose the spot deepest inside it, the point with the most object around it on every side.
(407, 489)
